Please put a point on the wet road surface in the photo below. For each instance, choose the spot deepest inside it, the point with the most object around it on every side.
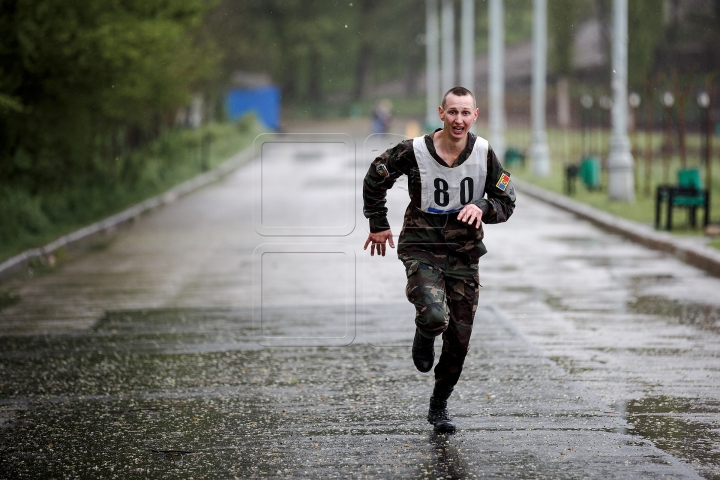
(193, 346)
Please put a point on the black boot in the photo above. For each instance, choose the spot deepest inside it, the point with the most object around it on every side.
(423, 352)
(438, 414)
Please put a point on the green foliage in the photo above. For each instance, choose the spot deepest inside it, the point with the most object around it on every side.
(563, 20)
(82, 80)
(31, 220)
(83, 85)
(645, 31)
(314, 48)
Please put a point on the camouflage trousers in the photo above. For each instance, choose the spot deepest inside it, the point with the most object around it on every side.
(445, 296)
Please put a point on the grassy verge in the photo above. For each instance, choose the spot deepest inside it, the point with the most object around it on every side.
(30, 221)
(566, 147)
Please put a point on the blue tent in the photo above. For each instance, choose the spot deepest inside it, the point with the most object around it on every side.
(264, 101)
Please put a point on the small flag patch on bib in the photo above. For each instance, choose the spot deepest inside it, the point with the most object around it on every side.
(503, 182)
(382, 170)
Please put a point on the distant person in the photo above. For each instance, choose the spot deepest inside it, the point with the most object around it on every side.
(450, 172)
(382, 117)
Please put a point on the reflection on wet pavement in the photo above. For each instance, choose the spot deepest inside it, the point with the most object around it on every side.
(184, 393)
(632, 324)
(673, 425)
(702, 316)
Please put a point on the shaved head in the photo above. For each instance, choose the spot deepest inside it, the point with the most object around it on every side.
(458, 92)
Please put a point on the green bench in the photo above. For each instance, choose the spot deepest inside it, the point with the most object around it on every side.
(688, 194)
(513, 157)
(589, 172)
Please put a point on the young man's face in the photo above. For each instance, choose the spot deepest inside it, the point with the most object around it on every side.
(459, 115)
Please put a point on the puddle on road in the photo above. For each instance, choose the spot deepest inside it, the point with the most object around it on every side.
(139, 396)
(638, 282)
(703, 316)
(581, 242)
(8, 299)
(448, 462)
(184, 437)
(676, 425)
(594, 261)
(570, 365)
(555, 303)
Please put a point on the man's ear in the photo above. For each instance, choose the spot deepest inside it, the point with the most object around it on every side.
(441, 113)
(477, 112)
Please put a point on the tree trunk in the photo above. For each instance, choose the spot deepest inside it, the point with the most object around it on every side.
(363, 71)
(681, 93)
(563, 102)
(648, 135)
(315, 84)
(709, 132)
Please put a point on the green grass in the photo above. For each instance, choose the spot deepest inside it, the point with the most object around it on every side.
(30, 221)
(566, 147)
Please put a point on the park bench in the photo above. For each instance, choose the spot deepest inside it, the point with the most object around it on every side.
(514, 157)
(688, 194)
(589, 172)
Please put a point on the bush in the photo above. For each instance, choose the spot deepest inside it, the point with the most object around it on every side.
(32, 218)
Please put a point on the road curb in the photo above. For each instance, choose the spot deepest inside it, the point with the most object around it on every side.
(109, 224)
(699, 256)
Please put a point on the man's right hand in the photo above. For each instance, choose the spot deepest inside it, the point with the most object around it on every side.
(378, 242)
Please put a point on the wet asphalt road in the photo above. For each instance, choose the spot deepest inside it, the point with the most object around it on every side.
(193, 346)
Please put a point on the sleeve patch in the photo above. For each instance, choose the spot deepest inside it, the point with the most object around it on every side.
(382, 170)
(503, 182)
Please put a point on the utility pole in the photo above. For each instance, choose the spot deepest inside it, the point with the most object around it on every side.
(496, 79)
(621, 183)
(448, 45)
(432, 75)
(539, 150)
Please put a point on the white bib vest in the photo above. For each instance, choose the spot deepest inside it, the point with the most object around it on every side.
(448, 190)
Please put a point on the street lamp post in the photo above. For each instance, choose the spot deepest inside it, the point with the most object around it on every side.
(605, 103)
(668, 100)
(496, 78)
(634, 102)
(587, 102)
(703, 100)
(621, 185)
(539, 150)
(649, 124)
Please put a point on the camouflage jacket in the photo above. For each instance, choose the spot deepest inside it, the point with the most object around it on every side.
(428, 236)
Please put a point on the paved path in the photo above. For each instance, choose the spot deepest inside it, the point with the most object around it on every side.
(592, 357)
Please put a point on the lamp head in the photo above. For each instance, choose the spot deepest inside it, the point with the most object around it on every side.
(703, 99)
(668, 99)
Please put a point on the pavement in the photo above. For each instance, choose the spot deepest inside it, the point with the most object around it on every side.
(692, 250)
(241, 331)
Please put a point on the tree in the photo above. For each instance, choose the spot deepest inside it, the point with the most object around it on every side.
(645, 30)
(563, 18)
(78, 74)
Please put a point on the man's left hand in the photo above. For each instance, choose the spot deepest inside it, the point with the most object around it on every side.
(469, 214)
